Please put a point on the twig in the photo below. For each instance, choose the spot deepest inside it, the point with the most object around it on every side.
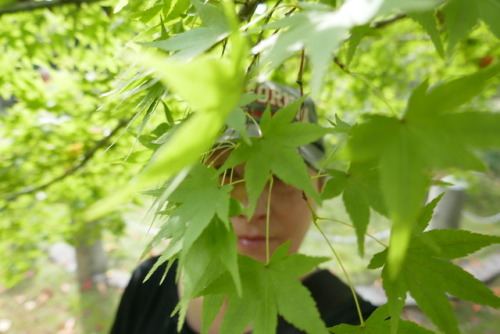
(268, 221)
(301, 72)
(337, 257)
(246, 12)
(383, 23)
(89, 155)
(34, 5)
(300, 82)
(374, 25)
(343, 67)
(261, 35)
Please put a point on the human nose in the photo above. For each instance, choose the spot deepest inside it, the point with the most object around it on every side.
(260, 212)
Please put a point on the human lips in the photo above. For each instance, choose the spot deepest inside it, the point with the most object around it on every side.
(252, 242)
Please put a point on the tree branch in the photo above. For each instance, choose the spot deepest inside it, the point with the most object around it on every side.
(247, 10)
(383, 23)
(374, 25)
(86, 158)
(34, 5)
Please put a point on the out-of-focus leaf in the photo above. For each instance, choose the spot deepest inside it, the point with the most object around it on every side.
(192, 42)
(357, 34)
(462, 15)
(428, 21)
(120, 5)
(488, 12)
(420, 140)
(213, 87)
(320, 32)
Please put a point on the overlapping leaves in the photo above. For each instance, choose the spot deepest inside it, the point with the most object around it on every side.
(194, 42)
(201, 236)
(267, 290)
(377, 324)
(320, 32)
(461, 16)
(360, 191)
(275, 153)
(429, 135)
(213, 87)
(427, 274)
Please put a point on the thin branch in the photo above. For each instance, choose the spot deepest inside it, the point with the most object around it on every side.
(300, 82)
(337, 257)
(343, 67)
(301, 72)
(383, 23)
(374, 25)
(246, 12)
(87, 157)
(261, 35)
(34, 5)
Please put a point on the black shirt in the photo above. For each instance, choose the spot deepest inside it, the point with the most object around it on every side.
(145, 308)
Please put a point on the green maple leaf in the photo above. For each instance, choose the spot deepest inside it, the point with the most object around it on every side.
(320, 32)
(173, 9)
(462, 15)
(200, 199)
(428, 21)
(377, 323)
(210, 256)
(357, 34)
(268, 290)
(200, 233)
(361, 191)
(194, 42)
(275, 153)
(213, 87)
(452, 244)
(237, 119)
(427, 274)
(429, 135)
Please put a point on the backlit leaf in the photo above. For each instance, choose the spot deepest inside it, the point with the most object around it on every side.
(462, 15)
(276, 153)
(221, 84)
(428, 21)
(428, 275)
(407, 147)
(377, 323)
(270, 290)
(454, 244)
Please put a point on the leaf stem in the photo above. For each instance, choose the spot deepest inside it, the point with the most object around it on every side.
(350, 225)
(301, 72)
(268, 223)
(34, 5)
(332, 152)
(349, 282)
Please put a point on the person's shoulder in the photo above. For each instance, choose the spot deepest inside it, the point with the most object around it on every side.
(334, 298)
(163, 273)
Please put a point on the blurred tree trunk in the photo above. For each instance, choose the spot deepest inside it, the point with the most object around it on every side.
(95, 308)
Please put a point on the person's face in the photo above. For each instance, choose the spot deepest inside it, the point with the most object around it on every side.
(289, 215)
